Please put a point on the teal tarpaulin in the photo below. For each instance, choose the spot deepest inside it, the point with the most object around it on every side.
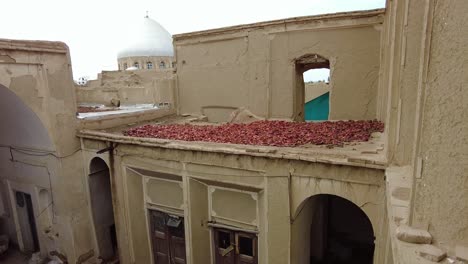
(318, 108)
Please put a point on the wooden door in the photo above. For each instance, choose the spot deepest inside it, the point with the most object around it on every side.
(177, 240)
(159, 237)
(168, 238)
(234, 247)
(224, 244)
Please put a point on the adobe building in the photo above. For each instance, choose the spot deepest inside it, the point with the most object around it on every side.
(117, 191)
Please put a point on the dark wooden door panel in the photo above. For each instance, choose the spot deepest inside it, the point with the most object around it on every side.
(168, 238)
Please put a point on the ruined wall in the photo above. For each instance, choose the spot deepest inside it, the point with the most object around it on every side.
(130, 87)
(40, 154)
(254, 65)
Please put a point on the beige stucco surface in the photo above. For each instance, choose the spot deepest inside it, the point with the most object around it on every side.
(424, 68)
(255, 68)
(444, 137)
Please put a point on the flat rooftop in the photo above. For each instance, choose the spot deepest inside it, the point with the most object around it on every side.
(90, 111)
(355, 143)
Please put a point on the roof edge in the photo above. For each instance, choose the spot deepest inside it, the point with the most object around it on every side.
(34, 45)
(302, 19)
(258, 151)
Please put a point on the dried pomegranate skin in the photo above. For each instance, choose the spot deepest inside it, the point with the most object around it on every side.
(265, 133)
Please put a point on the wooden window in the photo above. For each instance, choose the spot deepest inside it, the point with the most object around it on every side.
(234, 247)
(168, 238)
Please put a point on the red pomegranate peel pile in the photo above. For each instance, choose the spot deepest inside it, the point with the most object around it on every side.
(265, 133)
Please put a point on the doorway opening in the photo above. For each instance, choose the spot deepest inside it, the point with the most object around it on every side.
(103, 212)
(313, 87)
(331, 229)
(167, 237)
(27, 222)
(234, 247)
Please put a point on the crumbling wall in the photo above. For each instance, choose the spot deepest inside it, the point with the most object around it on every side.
(130, 87)
(253, 66)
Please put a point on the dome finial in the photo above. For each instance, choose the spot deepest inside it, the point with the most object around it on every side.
(146, 14)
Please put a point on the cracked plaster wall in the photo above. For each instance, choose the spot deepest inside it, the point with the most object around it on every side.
(442, 191)
(38, 74)
(424, 75)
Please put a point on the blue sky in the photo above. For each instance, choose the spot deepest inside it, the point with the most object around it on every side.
(95, 29)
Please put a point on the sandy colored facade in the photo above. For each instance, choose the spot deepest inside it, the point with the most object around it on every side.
(107, 192)
(264, 62)
(423, 84)
(40, 154)
(129, 87)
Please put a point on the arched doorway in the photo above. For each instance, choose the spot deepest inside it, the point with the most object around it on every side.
(331, 229)
(102, 210)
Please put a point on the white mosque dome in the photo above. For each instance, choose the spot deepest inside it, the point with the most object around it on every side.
(148, 39)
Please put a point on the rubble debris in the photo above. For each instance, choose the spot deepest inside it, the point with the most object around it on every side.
(432, 253)
(412, 235)
(115, 102)
(265, 133)
(243, 115)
